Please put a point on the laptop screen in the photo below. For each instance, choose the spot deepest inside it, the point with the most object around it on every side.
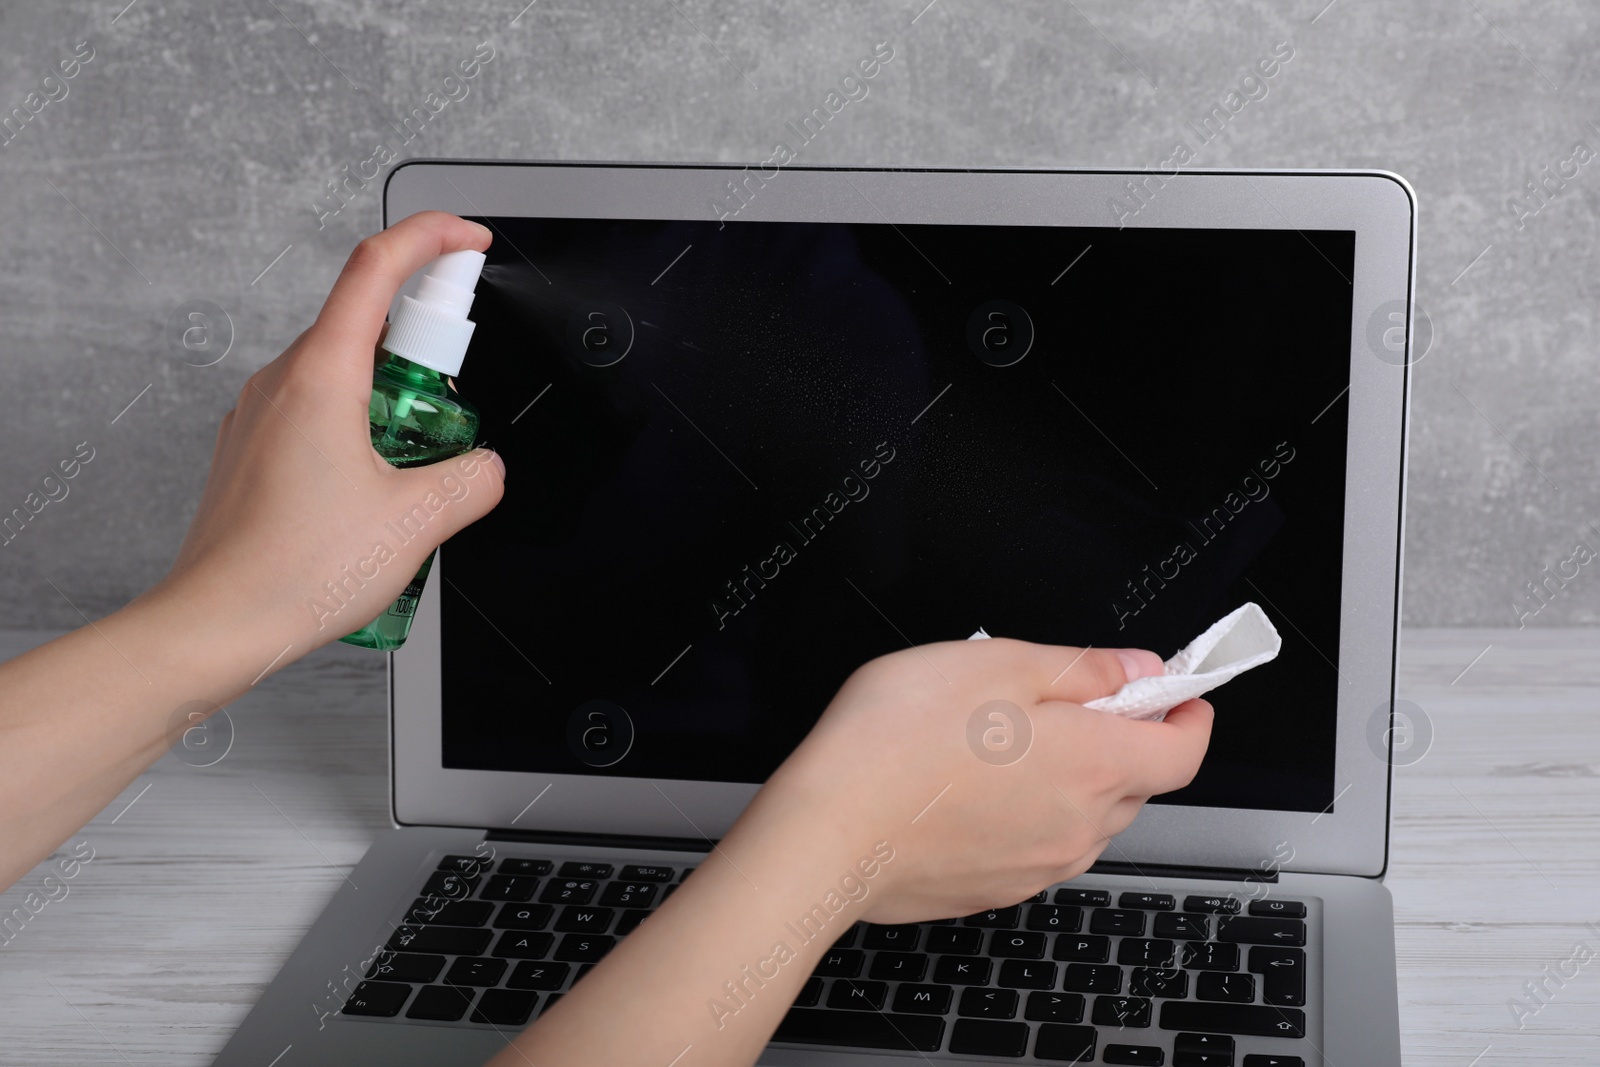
(746, 459)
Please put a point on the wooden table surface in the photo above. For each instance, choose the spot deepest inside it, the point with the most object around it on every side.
(204, 879)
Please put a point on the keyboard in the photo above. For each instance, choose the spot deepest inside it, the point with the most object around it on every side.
(1072, 975)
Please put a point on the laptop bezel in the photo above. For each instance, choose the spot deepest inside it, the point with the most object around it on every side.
(1349, 838)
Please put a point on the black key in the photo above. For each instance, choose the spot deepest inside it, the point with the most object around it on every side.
(1283, 975)
(849, 938)
(532, 868)
(810, 993)
(1230, 986)
(1084, 948)
(899, 938)
(585, 969)
(1151, 982)
(1273, 1060)
(1074, 1044)
(1148, 901)
(504, 1007)
(840, 963)
(1136, 1054)
(532, 975)
(634, 872)
(376, 998)
(441, 1003)
(1210, 956)
(1183, 927)
(666, 891)
(574, 920)
(523, 945)
(449, 940)
(475, 970)
(1027, 974)
(406, 967)
(1014, 945)
(523, 916)
(584, 948)
(989, 1003)
(574, 869)
(899, 966)
(509, 887)
(628, 895)
(449, 912)
(559, 891)
(630, 920)
(1145, 952)
(687, 871)
(1202, 1059)
(922, 999)
(1090, 978)
(942, 922)
(986, 1037)
(1203, 1044)
(1038, 898)
(997, 918)
(1055, 917)
(1258, 1020)
(1259, 931)
(962, 970)
(853, 995)
(1212, 905)
(1283, 909)
(861, 1029)
(449, 885)
(471, 866)
(1054, 1007)
(1113, 921)
(1088, 898)
(1122, 1012)
(955, 940)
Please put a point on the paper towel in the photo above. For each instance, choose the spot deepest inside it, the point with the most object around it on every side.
(1242, 639)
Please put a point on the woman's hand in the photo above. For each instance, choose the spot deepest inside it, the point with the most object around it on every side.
(296, 503)
(301, 530)
(896, 808)
(976, 762)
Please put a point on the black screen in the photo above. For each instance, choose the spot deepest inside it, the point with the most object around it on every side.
(744, 460)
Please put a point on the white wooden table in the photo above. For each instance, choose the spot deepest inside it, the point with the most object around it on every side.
(204, 879)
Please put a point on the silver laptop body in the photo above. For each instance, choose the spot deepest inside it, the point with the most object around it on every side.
(1325, 863)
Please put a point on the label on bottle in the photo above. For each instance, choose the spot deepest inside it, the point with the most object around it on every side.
(406, 605)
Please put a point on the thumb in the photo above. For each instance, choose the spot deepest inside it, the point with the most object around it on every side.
(1170, 752)
(438, 500)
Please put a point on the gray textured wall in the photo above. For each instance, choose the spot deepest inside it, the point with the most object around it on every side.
(189, 152)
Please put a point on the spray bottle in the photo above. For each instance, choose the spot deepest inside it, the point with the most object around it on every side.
(415, 416)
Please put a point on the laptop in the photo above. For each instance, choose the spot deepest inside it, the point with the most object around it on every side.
(1099, 407)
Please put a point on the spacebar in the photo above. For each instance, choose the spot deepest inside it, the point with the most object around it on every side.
(1257, 1021)
(863, 1029)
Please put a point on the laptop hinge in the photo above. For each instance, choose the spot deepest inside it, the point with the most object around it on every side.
(564, 837)
(1167, 870)
(690, 844)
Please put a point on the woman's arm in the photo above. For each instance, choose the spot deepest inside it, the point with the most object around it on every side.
(886, 813)
(296, 495)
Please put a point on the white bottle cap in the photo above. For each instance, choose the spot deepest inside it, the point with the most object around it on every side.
(432, 328)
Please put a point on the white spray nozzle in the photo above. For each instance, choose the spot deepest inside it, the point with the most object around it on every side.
(431, 327)
(450, 279)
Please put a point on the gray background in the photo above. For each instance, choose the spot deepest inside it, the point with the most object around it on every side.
(189, 152)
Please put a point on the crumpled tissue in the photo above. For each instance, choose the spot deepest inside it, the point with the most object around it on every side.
(1240, 640)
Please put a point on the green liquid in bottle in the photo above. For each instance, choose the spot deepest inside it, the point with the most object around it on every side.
(415, 419)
